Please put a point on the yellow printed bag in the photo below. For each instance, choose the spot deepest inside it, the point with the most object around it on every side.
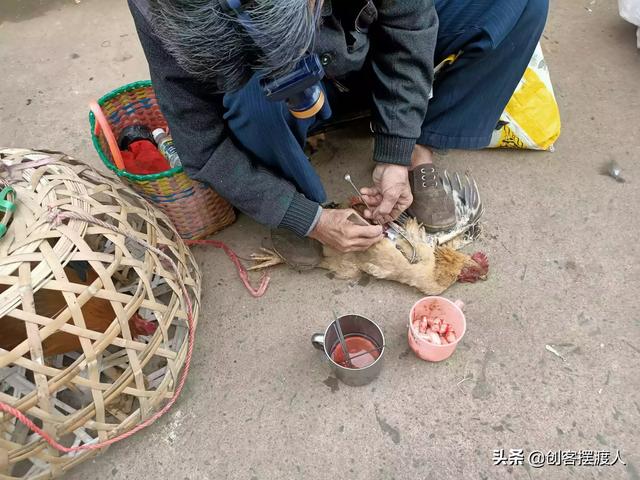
(531, 119)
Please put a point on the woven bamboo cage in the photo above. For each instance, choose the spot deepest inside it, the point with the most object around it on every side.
(94, 330)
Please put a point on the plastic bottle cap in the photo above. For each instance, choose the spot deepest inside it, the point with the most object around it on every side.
(157, 133)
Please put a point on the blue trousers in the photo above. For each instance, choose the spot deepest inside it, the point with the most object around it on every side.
(497, 37)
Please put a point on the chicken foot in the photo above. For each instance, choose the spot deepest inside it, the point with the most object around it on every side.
(268, 258)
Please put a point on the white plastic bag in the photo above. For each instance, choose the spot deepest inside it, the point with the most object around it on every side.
(630, 11)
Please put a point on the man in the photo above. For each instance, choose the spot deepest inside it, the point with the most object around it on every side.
(203, 61)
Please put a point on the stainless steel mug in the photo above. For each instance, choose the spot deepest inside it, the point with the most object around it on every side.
(351, 325)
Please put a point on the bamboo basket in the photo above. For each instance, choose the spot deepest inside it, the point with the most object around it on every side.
(114, 378)
(195, 209)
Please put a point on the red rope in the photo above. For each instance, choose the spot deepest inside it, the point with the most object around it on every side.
(242, 272)
(58, 216)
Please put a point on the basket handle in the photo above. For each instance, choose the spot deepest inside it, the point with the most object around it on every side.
(103, 124)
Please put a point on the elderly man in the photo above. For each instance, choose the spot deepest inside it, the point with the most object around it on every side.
(206, 62)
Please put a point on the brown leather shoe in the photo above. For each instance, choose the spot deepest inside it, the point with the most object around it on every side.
(432, 206)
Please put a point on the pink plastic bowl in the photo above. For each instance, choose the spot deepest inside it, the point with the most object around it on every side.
(441, 307)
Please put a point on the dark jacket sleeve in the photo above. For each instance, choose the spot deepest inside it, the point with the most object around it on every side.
(207, 153)
(402, 47)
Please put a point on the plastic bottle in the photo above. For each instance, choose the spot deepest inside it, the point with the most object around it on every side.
(166, 147)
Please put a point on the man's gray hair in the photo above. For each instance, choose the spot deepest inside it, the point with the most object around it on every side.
(213, 46)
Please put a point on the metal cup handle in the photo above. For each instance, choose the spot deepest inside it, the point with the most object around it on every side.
(317, 340)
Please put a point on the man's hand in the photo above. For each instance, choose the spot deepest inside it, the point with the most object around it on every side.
(391, 193)
(335, 230)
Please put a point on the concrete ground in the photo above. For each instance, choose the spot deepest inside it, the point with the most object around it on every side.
(563, 246)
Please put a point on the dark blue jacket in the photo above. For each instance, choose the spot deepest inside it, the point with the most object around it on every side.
(396, 36)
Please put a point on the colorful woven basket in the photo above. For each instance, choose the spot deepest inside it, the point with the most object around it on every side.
(195, 209)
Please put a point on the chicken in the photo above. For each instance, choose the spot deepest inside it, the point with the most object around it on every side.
(97, 312)
(436, 268)
(436, 265)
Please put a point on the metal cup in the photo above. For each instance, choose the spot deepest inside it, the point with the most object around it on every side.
(351, 325)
